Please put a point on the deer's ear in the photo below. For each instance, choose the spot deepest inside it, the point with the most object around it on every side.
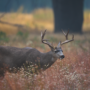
(59, 44)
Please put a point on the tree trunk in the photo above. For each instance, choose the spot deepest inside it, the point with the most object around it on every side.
(68, 14)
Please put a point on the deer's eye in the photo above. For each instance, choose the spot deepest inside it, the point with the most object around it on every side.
(56, 51)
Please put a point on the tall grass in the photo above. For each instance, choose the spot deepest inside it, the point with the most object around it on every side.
(71, 73)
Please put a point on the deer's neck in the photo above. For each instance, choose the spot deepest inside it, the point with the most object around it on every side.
(48, 58)
(51, 56)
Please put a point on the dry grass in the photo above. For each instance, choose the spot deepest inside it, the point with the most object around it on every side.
(86, 23)
(71, 73)
(37, 20)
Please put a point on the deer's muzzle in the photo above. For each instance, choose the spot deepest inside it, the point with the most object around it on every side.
(61, 57)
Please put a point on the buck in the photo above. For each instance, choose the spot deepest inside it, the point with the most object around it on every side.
(13, 57)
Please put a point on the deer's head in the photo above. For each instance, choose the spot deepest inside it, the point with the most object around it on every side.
(57, 51)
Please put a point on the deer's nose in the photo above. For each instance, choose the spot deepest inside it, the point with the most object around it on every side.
(62, 56)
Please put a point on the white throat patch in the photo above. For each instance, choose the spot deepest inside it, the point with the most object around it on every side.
(53, 59)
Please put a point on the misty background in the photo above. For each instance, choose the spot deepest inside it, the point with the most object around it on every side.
(30, 5)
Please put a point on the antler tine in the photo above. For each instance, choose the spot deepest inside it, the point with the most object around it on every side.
(72, 37)
(42, 35)
(45, 41)
(66, 35)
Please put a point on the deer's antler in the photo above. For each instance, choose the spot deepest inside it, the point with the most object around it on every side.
(45, 41)
(66, 35)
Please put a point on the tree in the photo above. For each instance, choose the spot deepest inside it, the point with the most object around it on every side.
(68, 14)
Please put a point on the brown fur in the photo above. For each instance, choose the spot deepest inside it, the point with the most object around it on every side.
(11, 57)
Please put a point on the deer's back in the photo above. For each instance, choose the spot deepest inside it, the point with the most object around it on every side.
(16, 57)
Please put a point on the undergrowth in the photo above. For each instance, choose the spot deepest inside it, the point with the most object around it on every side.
(71, 73)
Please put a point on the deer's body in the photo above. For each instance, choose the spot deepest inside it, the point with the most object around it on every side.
(13, 57)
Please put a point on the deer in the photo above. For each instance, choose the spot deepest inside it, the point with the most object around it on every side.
(14, 57)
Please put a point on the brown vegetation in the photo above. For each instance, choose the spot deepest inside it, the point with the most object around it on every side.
(37, 20)
(71, 73)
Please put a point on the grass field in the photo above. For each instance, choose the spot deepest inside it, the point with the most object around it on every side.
(37, 20)
(71, 73)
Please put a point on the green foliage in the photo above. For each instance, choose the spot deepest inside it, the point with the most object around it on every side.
(42, 46)
(42, 17)
(53, 39)
(45, 15)
(3, 37)
(35, 39)
(22, 35)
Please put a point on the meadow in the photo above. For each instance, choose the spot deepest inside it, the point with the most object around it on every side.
(36, 21)
(71, 73)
